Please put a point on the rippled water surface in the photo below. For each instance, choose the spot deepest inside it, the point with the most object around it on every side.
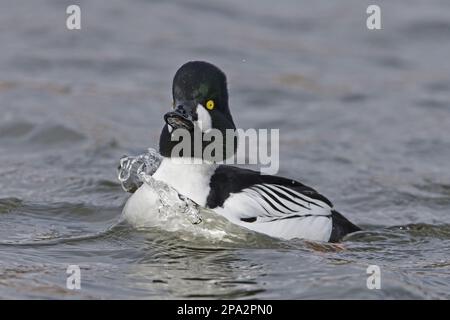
(364, 117)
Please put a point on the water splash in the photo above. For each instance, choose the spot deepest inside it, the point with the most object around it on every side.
(131, 169)
(134, 171)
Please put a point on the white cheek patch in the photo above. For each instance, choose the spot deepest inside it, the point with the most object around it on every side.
(204, 119)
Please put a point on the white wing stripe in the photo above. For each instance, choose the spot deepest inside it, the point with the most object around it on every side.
(276, 204)
(287, 200)
(303, 197)
(256, 196)
(265, 204)
(273, 200)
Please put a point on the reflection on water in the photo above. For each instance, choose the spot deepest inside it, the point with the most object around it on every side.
(362, 118)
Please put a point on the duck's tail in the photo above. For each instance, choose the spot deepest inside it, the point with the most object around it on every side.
(341, 227)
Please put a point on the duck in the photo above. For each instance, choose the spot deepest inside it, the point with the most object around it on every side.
(276, 206)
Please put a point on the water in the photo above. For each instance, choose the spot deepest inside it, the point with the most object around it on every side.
(364, 117)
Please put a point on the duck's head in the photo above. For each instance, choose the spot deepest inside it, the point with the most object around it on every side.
(200, 103)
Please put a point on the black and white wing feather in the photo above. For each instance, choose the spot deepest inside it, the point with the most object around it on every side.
(280, 202)
(276, 206)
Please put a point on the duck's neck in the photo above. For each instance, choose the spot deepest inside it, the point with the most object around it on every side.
(189, 178)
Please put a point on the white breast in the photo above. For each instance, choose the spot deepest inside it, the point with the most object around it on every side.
(189, 179)
(141, 208)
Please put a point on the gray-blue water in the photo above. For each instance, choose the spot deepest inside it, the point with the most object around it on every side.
(364, 117)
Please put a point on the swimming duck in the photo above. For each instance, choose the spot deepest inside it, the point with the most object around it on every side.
(277, 206)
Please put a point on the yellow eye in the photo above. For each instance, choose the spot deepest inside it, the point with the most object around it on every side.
(210, 105)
